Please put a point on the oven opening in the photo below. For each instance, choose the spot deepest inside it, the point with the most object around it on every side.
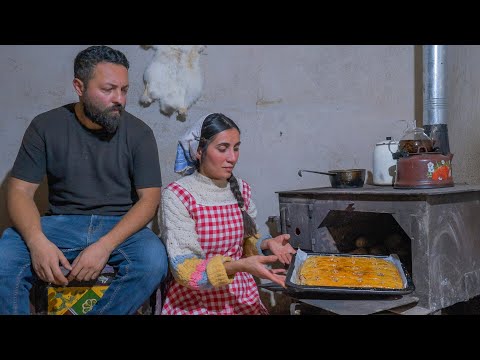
(324, 230)
(363, 233)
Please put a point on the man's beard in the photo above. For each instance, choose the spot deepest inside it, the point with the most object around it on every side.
(107, 118)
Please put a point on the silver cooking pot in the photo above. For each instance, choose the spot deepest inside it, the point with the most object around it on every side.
(350, 178)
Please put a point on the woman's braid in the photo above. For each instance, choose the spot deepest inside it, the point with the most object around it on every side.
(249, 227)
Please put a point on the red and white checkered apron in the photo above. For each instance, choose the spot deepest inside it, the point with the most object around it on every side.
(220, 231)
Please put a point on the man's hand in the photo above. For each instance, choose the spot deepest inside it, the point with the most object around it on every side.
(89, 263)
(46, 257)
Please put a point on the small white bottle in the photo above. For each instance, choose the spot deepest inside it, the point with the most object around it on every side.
(384, 165)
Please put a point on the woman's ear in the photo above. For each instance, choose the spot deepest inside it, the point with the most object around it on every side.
(198, 155)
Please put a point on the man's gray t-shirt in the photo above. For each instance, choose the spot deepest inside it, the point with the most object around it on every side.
(88, 173)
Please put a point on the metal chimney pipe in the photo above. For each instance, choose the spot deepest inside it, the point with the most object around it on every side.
(434, 96)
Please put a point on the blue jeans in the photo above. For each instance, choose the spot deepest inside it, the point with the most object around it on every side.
(141, 262)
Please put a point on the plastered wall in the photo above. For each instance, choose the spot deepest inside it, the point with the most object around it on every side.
(299, 107)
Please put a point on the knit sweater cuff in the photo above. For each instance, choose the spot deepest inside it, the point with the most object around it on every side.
(251, 245)
(217, 275)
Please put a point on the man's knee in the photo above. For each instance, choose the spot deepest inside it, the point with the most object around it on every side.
(156, 261)
(14, 254)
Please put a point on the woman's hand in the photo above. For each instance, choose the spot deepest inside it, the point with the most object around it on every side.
(280, 247)
(256, 265)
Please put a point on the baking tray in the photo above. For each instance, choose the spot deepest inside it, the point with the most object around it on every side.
(304, 291)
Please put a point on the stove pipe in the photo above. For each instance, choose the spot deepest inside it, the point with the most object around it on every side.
(434, 96)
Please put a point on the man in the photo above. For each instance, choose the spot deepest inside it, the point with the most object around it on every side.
(104, 184)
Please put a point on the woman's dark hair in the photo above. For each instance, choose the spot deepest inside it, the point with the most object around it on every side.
(87, 59)
(212, 125)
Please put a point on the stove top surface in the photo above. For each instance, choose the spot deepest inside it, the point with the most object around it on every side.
(376, 190)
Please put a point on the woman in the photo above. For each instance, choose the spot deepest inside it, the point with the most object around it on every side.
(207, 225)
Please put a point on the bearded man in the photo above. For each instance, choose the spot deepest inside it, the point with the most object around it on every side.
(104, 182)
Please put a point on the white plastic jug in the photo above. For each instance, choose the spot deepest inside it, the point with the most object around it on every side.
(384, 166)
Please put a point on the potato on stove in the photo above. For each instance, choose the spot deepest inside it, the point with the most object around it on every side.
(363, 242)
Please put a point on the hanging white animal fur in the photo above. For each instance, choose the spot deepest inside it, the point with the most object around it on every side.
(174, 78)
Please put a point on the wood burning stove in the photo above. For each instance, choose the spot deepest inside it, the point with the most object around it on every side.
(434, 232)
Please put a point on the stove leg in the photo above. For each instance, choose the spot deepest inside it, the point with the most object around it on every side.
(295, 309)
